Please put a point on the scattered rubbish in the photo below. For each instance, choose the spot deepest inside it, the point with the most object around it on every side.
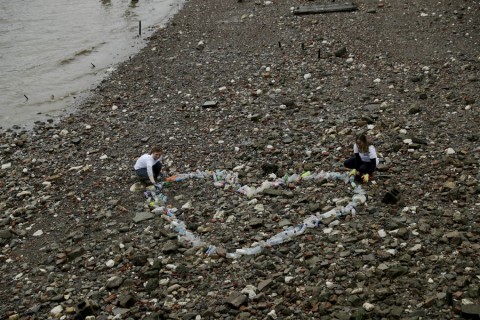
(223, 178)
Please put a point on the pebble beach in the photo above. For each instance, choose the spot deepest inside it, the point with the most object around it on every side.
(241, 95)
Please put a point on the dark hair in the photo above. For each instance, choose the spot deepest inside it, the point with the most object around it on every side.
(365, 141)
(155, 149)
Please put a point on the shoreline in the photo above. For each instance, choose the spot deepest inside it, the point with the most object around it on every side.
(291, 93)
(70, 80)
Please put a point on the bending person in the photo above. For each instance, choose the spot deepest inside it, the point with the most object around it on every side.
(365, 161)
(149, 166)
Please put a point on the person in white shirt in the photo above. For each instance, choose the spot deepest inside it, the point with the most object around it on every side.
(149, 166)
(365, 161)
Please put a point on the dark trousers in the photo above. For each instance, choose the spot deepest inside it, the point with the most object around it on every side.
(143, 173)
(361, 166)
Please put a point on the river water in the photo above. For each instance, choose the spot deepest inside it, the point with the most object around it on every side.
(53, 51)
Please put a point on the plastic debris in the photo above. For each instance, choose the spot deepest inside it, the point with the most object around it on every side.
(225, 179)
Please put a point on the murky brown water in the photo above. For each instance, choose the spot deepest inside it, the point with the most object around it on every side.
(52, 51)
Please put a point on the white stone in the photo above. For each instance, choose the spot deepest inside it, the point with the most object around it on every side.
(57, 310)
(272, 314)
(103, 157)
(327, 230)
(329, 284)
(259, 207)
(368, 306)
(238, 168)
(6, 165)
(334, 223)
(307, 76)
(38, 233)
(377, 80)
(114, 107)
(357, 290)
(288, 279)
(250, 290)
(382, 233)
(408, 141)
(187, 205)
(110, 263)
(416, 247)
(64, 132)
(219, 214)
(359, 198)
(450, 151)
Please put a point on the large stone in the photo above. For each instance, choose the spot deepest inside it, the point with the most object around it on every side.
(236, 299)
(114, 282)
(264, 284)
(142, 216)
(5, 234)
(396, 271)
(471, 311)
(170, 246)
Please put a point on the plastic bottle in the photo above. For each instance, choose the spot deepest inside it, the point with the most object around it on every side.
(211, 250)
(249, 251)
(273, 241)
(311, 221)
(306, 174)
(233, 255)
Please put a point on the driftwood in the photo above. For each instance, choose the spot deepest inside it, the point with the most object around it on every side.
(325, 8)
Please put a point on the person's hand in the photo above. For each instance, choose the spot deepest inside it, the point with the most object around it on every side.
(365, 178)
(353, 172)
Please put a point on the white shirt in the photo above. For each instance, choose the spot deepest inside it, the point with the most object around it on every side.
(146, 161)
(366, 156)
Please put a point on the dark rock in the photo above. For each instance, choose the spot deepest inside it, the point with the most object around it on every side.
(236, 299)
(471, 311)
(342, 52)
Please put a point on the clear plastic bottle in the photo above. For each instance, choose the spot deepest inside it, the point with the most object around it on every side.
(249, 251)
(211, 250)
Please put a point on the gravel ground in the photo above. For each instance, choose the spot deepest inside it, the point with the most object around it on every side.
(290, 92)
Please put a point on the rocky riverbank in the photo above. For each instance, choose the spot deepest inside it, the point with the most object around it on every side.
(256, 91)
